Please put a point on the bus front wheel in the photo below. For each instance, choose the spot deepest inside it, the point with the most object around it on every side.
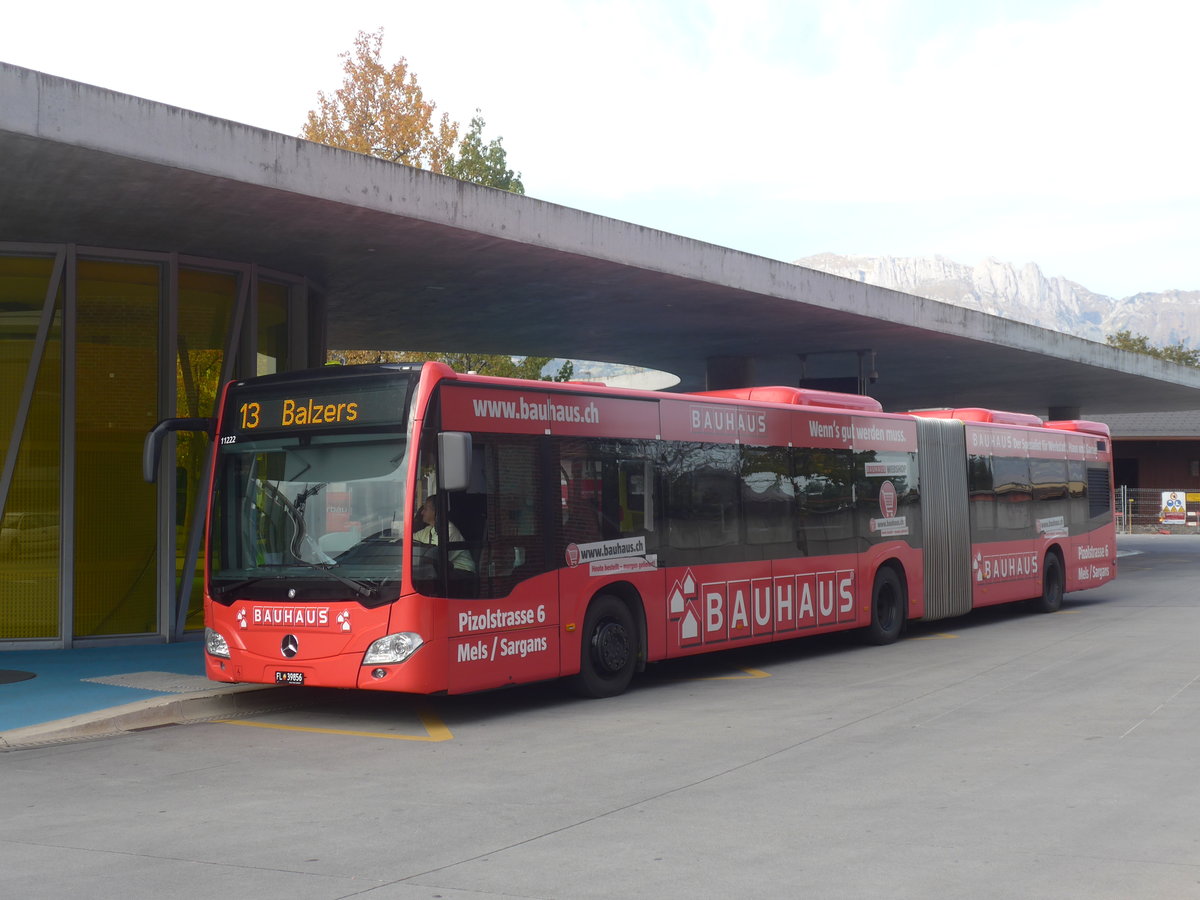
(609, 653)
(888, 607)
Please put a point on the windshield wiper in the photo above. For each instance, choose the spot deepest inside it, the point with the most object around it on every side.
(238, 585)
(363, 590)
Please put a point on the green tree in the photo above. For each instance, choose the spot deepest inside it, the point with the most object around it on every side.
(566, 371)
(382, 112)
(529, 367)
(480, 164)
(1139, 343)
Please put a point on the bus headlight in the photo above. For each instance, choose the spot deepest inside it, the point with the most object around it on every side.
(215, 643)
(394, 648)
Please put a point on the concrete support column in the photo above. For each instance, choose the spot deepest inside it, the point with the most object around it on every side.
(1056, 413)
(725, 372)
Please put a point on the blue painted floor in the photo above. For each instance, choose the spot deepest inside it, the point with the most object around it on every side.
(59, 688)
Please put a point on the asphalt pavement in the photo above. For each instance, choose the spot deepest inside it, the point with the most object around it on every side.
(1001, 754)
(49, 696)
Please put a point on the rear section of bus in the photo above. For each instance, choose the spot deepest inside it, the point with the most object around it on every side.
(1015, 508)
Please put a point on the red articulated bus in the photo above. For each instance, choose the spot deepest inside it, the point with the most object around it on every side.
(407, 528)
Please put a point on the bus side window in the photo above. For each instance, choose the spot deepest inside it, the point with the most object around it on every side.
(635, 499)
(872, 470)
(825, 511)
(768, 501)
(1014, 497)
(606, 491)
(1049, 477)
(1077, 491)
(703, 503)
(982, 493)
(513, 545)
(581, 481)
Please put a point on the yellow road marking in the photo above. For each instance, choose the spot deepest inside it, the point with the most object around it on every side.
(435, 729)
(750, 673)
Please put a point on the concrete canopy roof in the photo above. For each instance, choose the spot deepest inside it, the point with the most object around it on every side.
(409, 259)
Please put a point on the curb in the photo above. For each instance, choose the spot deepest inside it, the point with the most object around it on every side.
(154, 712)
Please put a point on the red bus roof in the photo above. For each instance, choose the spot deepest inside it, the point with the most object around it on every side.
(798, 397)
(976, 414)
(782, 394)
(790, 396)
(1081, 425)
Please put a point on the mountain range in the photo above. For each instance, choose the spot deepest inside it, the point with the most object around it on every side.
(1025, 294)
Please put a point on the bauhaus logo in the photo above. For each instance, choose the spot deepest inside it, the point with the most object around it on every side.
(717, 612)
(1004, 567)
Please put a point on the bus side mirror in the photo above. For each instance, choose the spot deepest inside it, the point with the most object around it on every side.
(153, 444)
(454, 455)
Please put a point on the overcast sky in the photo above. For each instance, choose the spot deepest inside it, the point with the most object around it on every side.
(1046, 131)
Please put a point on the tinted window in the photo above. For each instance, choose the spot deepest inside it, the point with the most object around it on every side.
(702, 485)
(826, 501)
(768, 502)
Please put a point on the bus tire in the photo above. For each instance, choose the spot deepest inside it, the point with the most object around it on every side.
(608, 655)
(888, 607)
(1052, 585)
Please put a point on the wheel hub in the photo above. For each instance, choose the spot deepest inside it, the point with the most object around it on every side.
(612, 647)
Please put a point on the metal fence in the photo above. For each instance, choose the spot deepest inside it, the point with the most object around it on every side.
(1142, 510)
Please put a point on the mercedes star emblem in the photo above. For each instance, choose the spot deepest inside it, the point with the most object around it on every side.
(290, 646)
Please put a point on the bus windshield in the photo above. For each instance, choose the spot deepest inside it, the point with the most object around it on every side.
(320, 515)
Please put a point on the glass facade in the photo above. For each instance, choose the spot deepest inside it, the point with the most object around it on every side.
(272, 345)
(207, 303)
(31, 435)
(95, 348)
(116, 389)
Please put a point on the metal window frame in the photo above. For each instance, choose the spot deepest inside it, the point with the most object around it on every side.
(240, 355)
(25, 401)
(76, 253)
(57, 252)
(66, 527)
(168, 350)
(305, 348)
(195, 532)
(175, 589)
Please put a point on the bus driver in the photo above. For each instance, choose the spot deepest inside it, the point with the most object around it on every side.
(459, 559)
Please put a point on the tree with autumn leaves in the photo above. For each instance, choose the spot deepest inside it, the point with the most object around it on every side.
(383, 112)
(482, 363)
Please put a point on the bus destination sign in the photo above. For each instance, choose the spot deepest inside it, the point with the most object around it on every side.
(252, 411)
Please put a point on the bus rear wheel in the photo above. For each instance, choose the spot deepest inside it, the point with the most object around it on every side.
(1052, 585)
(888, 606)
(609, 653)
